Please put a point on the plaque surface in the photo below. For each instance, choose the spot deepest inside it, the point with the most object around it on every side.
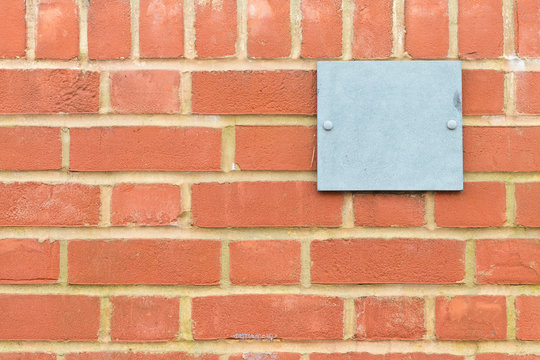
(389, 125)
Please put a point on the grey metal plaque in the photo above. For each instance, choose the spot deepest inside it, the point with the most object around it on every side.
(389, 125)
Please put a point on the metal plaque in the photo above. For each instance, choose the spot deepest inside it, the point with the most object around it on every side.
(389, 125)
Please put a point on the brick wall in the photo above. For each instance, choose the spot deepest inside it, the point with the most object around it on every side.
(157, 186)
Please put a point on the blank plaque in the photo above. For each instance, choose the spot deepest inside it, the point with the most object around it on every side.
(389, 125)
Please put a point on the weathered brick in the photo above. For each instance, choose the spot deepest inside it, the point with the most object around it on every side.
(57, 29)
(269, 28)
(527, 204)
(30, 148)
(372, 34)
(498, 356)
(215, 28)
(264, 356)
(321, 28)
(161, 28)
(27, 356)
(389, 210)
(480, 30)
(483, 92)
(426, 25)
(528, 92)
(528, 317)
(12, 28)
(388, 356)
(28, 261)
(527, 27)
(109, 29)
(139, 356)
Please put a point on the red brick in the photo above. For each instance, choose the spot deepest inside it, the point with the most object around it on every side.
(259, 262)
(372, 36)
(215, 28)
(480, 30)
(28, 261)
(527, 27)
(264, 356)
(255, 92)
(276, 147)
(36, 204)
(30, 148)
(426, 24)
(161, 29)
(508, 261)
(148, 318)
(258, 204)
(381, 318)
(321, 28)
(49, 317)
(528, 317)
(27, 356)
(109, 29)
(145, 92)
(159, 262)
(12, 28)
(387, 261)
(145, 204)
(139, 356)
(506, 357)
(389, 210)
(483, 92)
(267, 317)
(389, 356)
(470, 318)
(480, 204)
(269, 28)
(145, 148)
(527, 204)
(501, 148)
(57, 29)
(48, 91)
(528, 92)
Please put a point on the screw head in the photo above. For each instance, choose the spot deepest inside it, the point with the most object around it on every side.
(328, 125)
(451, 124)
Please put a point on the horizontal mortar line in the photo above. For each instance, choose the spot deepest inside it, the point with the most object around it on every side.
(265, 233)
(312, 346)
(178, 177)
(347, 291)
(502, 120)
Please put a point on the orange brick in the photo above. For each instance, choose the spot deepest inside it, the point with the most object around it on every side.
(28, 261)
(493, 356)
(388, 356)
(12, 28)
(527, 204)
(528, 92)
(269, 28)
(259, 204)
(372, 37)
(470, 318)
(276, 147)
(215, 28)
(389, 210)
(374, 261)
(483, 92)
(263, 317)
(508, 261)
(30, 148)
(426, 25)
(57, 29)
(259, 262)
(36, 204)
(480, 29)
(263, 356)
(528, 317)
(145, 204)
(148, 318)
(109, 29)
(139, 356)
(255, 92)
(145, 148)
(49, 317)
(321, 28)
(158, 262)
(161, 29)
(48, 91)
(527, 27)
(27, 356)
(480, 204)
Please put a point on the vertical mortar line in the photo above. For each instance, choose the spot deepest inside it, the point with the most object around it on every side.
(510, 204)
(510, 317)
(453, 37)
(189, 29)
(305, 263)
(509, 46)
(398, 29)
(225, 280)
(83, 30)
(185, 196)
(105, 320)
(135, 29)
(105, 209)
(241, 39)
(429, 216)
(510, 94)
(349, 322)
(63, 275)
(186, 331)
(228, 148)
(470, 262)
(185, 92)
(31, 28)
(296, 28)
(64, 139)
(104, 93)
(347, 35)
(224, 357)
(429, 317)
(347, 214)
